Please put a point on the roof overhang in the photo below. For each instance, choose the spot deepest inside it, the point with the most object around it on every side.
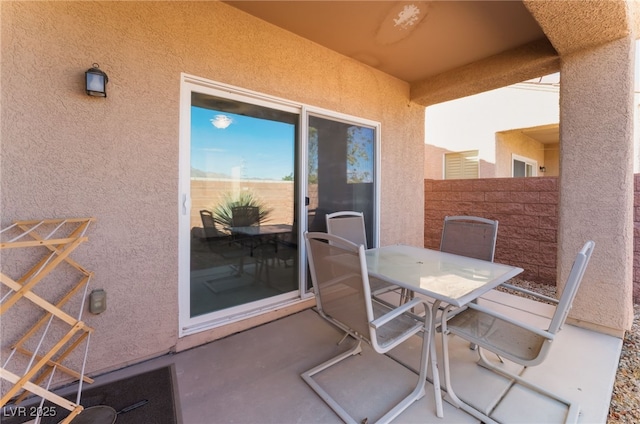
(449, 49)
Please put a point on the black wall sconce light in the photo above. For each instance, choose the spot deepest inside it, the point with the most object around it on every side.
(543, 169)
(96, 81)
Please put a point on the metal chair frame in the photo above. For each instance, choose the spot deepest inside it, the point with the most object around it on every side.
(495, 332)
(343, 295)
(481, 233)
(350, 226)
(477, 236)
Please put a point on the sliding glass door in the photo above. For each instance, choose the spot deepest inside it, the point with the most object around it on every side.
(244, 202)
(242, 209)
(342, 170)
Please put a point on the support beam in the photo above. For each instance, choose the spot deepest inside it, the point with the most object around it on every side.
(520, 64)
(596, 181)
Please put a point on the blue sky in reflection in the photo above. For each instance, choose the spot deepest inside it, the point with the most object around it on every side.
(249, 148)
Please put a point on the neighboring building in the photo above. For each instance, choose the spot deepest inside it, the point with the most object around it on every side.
(515, 125)
(507, 132)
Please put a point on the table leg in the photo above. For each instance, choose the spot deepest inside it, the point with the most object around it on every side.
(434, 361)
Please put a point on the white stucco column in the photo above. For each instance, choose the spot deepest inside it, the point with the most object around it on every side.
(596, 181)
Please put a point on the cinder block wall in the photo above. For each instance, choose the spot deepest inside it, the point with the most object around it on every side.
(278, 195)
(526, 209)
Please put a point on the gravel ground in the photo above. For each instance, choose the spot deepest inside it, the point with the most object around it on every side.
(625, 400)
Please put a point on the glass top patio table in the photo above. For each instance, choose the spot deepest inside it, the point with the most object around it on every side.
(449, 278)
(445, 277)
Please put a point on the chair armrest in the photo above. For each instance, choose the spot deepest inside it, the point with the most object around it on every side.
(380, 321)
(530, 293)
(490, 312)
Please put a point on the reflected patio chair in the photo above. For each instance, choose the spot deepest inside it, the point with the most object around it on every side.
(220, 243)
(510, 338)
(350, 225)
(211, 232)
(245, 216)
(343, 296)
(287, 246)
(281, 249)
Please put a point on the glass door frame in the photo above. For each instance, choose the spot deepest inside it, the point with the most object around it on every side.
(528, 162)
(187, 324)
(191, 325)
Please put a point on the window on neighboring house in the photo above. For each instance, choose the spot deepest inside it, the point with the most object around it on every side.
(461, 165)
(523, 167)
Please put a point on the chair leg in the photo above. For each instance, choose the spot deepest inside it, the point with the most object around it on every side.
(437, 390)
(308, 378)
(451, 396)
(417, 393)
(264, 266)
(573, 409)
(346, 334)
(406, 295)
(428, 349)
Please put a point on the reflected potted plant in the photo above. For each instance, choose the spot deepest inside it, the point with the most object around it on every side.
(223, 212)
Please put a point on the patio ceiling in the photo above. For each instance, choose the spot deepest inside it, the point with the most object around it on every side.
(451, 49)
(545, 134)
(412, 40)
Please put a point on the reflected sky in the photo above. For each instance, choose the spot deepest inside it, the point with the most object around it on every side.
(249, 148)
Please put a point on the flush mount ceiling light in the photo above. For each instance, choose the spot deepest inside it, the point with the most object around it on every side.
(96, 81)
(221, 121)
(401, 20)
(408, 16)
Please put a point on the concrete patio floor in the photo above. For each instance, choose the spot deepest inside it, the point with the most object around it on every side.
(254, 376)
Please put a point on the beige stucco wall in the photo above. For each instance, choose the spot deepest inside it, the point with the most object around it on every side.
(552, 159)
(509, 143)
(65, 154)
(596, 174)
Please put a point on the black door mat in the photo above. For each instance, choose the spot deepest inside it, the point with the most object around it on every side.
(156, 387)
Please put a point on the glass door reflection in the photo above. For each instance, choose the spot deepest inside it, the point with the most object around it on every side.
(341, 171)
(243, 228)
